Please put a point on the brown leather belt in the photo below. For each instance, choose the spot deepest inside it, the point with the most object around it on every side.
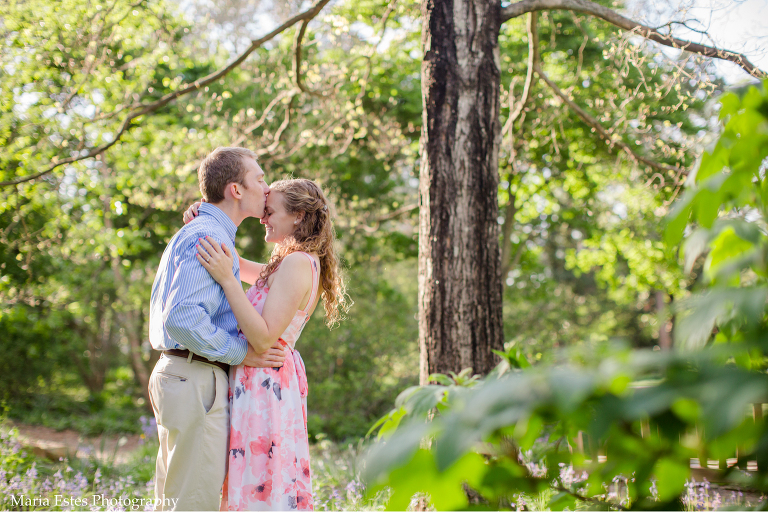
(195, 357)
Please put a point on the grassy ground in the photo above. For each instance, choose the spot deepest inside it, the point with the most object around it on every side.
(31, 483)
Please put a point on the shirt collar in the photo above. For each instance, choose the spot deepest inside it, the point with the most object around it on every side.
(220, 217)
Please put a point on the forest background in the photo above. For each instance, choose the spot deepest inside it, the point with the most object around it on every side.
(583, 257)
(337, 100)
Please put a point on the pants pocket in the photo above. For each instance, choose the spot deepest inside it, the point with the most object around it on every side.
(171, 376)
(208, 393)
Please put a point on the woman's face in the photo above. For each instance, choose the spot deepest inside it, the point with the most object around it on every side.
(279, 223)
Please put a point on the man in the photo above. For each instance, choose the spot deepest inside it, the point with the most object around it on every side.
(191, 321)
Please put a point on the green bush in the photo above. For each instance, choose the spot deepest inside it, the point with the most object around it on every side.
(31, 348)
(356, 370)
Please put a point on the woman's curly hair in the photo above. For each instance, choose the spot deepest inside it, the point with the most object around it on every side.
(314, 234)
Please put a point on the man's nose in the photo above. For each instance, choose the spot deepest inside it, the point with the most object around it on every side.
(265, 187)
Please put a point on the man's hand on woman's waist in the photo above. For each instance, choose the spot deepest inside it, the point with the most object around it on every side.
(274, 357)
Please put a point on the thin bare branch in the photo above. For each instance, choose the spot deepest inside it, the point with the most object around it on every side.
(507, 261)
(396, 213)
(281, 129)
(593, 9)
(602, 132)
(97, 37)
(152, 107)
(297, 57)
(510, 210)
(533, 59)
(264, 115)
(387, 216)
(374, 47)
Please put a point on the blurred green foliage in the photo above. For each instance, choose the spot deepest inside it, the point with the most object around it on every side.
(649, 412)
(79, 247)
(355, 370)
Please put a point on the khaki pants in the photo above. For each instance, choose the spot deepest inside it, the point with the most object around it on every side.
(191, 405)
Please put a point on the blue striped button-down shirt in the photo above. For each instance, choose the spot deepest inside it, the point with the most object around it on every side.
(188, 307)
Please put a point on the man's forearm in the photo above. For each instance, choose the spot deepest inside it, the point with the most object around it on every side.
(190, 326)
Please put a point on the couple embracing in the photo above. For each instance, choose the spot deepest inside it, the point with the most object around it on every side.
(229, 391)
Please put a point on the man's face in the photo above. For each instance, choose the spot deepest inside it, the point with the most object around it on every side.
(255, 192)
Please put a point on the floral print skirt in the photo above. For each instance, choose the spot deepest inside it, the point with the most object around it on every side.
(268, 445)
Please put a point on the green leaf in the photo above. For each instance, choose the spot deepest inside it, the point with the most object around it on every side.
(678, 217)
(670, 477)
(528, 430)
(506, 477)
(712, 163)
(687, 409)
(562, 501)
(423, 399)
(515, 357)
(389, 423)
(413, 477)
(569, 388)
(440, 378)
(694, 246)
(384, 456)
(729, 104)
(702, 312)
(420, 475)
(725, 247)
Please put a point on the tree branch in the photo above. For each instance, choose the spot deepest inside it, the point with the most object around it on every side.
(98, 37)
(382, 218)
(281, 129)
(263, 118)
(602, 132)
(152, 107)
(533, 59)
(586, 499)
(297, 57)
(396, 213)
(374, 47)
(510, 210)
(591, 8)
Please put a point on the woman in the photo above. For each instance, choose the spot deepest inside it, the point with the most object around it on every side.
(268, 446)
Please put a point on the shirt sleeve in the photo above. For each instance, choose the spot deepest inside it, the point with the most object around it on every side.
(192, 298)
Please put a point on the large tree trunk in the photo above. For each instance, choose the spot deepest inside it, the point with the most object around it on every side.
(460, 303)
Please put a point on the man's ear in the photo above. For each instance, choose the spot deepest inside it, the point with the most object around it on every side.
(234, 190)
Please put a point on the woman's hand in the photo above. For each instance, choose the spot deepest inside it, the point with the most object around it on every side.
(191, 212)
(217, 260)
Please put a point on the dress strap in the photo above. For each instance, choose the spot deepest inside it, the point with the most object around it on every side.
(315, 280)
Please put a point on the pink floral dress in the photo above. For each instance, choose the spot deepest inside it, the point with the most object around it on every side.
(268, 443)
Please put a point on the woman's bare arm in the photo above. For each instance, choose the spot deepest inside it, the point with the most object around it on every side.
(249, 270)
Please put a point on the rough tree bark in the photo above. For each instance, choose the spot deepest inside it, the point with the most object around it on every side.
(460, 315)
